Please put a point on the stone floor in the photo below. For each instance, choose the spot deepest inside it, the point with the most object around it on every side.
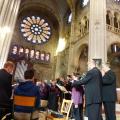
(42, 115)
(118, 117)
(85, 118)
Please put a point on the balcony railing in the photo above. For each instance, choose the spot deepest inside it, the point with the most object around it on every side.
(84, 32)
(113, 29)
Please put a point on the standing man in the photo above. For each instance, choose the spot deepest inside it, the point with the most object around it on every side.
(6, 88)
(93, 87)
(109, 92)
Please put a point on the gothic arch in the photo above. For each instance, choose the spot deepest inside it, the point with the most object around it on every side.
(108, 17)
(116, 19)
(114, 59)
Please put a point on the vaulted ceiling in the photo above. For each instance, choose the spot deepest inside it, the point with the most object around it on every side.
(54, 10)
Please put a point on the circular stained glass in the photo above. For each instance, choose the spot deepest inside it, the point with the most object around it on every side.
(35, 30)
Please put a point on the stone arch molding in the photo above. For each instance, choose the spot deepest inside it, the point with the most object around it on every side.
(44, 9)
(82, 58)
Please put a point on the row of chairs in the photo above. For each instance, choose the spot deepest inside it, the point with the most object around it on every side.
(30, 102)
(22, 101)
(65, 110)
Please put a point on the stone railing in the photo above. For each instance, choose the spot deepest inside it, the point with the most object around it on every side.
(84, 32)
(113, 29)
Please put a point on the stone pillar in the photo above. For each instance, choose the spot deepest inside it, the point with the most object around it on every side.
(8, 15)
(58, 69)
(1, 4)
(72, 38)
(97, 30)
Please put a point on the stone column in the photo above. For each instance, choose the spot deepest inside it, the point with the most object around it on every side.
(97, 30)
(58, 69)
(8, 15)
(1, 4)
(72, 38)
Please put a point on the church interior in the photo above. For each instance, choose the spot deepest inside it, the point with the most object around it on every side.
(62, 43)
(57, 37)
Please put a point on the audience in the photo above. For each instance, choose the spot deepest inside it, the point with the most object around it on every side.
(44, 93)
(97, 88)
(77, 97)
(54, 94)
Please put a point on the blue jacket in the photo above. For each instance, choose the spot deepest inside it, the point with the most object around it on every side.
(27, 88)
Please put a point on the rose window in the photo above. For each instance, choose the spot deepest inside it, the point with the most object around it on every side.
(35, 29)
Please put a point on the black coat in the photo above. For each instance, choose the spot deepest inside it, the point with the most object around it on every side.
(5, 88)
(109, 87)
(93, 86)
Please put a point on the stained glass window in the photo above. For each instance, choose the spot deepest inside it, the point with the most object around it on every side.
(47, 57)
(85, 2)
(70, 18)
(36, 30)
(37, 55)
(32, 54)
(18, 52)
(42, 56)
(27, 51)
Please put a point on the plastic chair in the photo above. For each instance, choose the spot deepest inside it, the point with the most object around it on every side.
(26, 101)
(5, 117)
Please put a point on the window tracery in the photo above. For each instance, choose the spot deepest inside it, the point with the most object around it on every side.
(35, 29)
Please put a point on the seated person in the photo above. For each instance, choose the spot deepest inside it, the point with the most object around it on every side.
(53, 98)
(26, 88)
(44, 93)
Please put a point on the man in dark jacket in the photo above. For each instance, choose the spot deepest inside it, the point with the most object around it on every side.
(27, 88)
(93, 87)
(6, 88)
(109, 92)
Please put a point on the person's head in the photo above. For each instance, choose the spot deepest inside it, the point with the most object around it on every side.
(105, 67)
(21, 50)
(26, 50)
(9, 66)
(91, 64)
(69, 77)
(53, 82)
(75, 76)
(15, 50)
(29, 74)
(62, 78)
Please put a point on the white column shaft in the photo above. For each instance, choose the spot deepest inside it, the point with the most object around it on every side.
(97, 30)
(10, 20)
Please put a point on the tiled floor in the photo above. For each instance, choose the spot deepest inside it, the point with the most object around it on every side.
(118, 117)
